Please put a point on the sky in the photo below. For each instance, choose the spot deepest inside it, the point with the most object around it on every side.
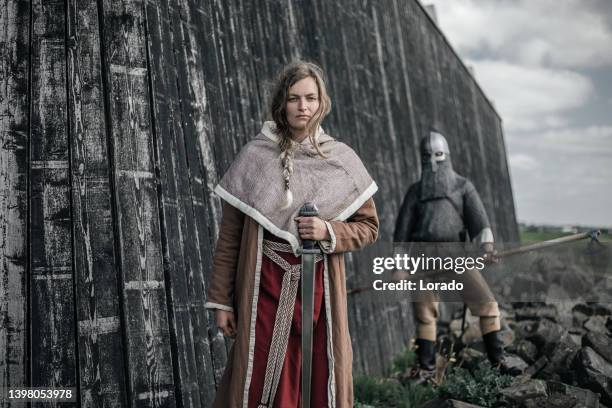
(547, 67)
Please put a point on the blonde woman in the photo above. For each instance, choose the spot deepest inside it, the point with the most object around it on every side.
(256, 266)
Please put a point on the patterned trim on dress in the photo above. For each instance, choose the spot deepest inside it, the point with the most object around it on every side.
(329, 246)
(247, 382)
(331, 383)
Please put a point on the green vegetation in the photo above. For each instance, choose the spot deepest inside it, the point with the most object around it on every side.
(386, 392)
(529, 237)
(392, 392)
(404, 361)
(482, 387)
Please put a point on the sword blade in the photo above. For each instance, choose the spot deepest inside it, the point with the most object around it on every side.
(308, 283)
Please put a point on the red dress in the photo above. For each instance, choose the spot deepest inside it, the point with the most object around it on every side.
(289, 385)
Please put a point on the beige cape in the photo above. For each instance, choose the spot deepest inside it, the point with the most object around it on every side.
(338, 184)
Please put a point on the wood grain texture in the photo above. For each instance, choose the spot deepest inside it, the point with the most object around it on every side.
(197, 197)
(101, 349)
(53, 347)
(150, 373)
(14, 124)
(182, 261)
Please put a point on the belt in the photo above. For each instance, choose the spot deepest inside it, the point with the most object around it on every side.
(284, 315)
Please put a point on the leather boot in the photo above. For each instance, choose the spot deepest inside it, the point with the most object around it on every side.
(426, 359)
(495, 351)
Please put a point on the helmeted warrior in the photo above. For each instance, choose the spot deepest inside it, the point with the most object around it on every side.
(445, 207)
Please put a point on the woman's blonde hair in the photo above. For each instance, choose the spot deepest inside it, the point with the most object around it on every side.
(292, 73)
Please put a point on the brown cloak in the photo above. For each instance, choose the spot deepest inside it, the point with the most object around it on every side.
(235, 287)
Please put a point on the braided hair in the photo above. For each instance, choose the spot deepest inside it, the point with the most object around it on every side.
(292, 73)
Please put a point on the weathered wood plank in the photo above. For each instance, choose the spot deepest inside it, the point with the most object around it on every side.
(101, 349)
(149, 362)
(181, 255)
(197, 143)
(14, 101)
(53, 346)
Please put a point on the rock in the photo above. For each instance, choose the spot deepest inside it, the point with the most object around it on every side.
(549, 264)
(535, 367)
(470, 357)
(575, 282)
(528, 287)
(578, 318)
(547, 334)
(601, 343)
(597, 324)
(593, 309)
(565, 394)
(524, 349)
(595, 373)
(520, 391)
(576, 336)
(560, 356)
(507, 336)
(534, 313)
(525, 328)
(438, 403)
(514, 361)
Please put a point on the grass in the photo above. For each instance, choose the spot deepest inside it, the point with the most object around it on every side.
(390, 392)
(481, 387)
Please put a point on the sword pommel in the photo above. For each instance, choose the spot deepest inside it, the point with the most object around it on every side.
(308, 210)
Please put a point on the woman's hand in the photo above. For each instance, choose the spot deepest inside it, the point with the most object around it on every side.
(312, 228)
(226, 322)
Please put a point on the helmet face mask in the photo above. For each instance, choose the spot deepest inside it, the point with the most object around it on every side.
(434, 149)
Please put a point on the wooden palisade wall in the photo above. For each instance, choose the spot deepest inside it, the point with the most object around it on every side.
(117, 118)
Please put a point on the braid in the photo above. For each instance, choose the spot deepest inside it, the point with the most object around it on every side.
(287, 150)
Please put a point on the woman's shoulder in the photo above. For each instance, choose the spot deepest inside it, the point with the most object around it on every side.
(340, 149)
(257, 146)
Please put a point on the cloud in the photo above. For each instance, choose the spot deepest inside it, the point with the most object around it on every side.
(590, 141)
(563, 175)
(578, 143)
(523, 162)
(569, 33)
(529, 97)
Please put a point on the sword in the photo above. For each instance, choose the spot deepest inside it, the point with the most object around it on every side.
(309, 250)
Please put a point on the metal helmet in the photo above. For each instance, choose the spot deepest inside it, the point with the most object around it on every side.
(434, 149)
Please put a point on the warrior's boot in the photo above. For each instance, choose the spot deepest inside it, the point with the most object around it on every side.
(495, 351)
(426, 359)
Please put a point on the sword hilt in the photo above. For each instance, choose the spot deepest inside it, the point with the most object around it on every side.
(309, 210)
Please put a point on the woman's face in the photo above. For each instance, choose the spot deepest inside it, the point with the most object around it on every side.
(302, 103)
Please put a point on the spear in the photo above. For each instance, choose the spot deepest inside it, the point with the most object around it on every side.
(593, 234)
